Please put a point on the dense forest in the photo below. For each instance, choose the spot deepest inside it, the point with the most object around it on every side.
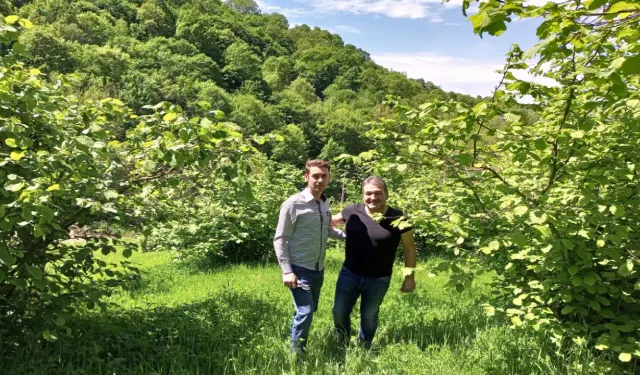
(302, 83)
(181, 126)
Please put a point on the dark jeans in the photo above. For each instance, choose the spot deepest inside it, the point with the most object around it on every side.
(305, 300)
(349, 287)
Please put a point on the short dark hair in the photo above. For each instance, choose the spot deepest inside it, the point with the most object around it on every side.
(378, 181)
(319, 163)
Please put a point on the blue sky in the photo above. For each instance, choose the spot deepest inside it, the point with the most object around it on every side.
(423, 38)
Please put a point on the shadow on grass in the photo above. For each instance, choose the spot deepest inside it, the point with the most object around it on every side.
(457, 329)
(204, 337)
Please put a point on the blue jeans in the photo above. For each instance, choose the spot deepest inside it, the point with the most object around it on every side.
(349, 287)
(305, 300)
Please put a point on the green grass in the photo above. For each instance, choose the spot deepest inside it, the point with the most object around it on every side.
(236, 320)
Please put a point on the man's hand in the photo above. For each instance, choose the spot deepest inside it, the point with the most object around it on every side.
(337, 220)
(408, 285)
(290, 280)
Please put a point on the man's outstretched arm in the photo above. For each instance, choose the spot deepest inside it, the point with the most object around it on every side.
(410, 255)
(334, 232)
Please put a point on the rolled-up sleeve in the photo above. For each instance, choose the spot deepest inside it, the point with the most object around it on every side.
(286, 223)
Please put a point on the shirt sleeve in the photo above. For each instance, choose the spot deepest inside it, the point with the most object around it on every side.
(337, 233)
(286, 223)
(346, 212)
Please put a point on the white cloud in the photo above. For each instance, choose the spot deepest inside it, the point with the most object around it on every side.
(456, 74)
(437, 19)
(450, 73)
(345, 29)
(287, 12)
(392, 8)
(412, 9)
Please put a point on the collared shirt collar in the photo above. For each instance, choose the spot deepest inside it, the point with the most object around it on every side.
(308, 197)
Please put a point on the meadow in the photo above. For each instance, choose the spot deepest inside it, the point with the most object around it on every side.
(174, 319)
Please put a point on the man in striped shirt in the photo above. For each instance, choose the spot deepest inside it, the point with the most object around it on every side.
(301, 244)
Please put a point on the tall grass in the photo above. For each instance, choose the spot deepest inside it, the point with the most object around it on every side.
(174, 320)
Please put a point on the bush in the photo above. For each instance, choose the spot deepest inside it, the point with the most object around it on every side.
(220, 227)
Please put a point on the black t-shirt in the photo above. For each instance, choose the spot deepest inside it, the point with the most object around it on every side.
(371, 246)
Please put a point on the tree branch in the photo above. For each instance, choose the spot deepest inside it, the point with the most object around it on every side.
(499, 177)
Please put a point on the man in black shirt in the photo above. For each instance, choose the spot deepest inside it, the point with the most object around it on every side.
(374, 231)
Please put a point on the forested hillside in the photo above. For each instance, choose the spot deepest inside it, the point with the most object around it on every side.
(204, 55)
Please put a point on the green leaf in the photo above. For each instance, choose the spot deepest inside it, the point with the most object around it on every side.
(492, 246)
(617, 63)
(126, 252)
(111, 194)
(540, 144)
(10, 20)
(35, 272)
(464, 159)
(617, 210)
(17, 155)
(566, 310)
(53, 187)
(521, 210)
(622, 6)
(573, 270)
(537, 219)
(184, 134)
(595, 305)
(45, 212)
(49, 336)
(3, 276)
(2, 211)
(544, 231)
(511, 117)
(14, 187)
(589, 280)
(11, 142)
(567, 243)
(595, 4)
(631, 65)
(626, 269)
(19, 48)
(480, 108)
(577, 134)
(489, 310)
(519, 239)
(170, 116)
(576, 281)
(624, 357)
(516, 321)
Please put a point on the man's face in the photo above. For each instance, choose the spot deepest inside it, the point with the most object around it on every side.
(317, 179)
(374, 197)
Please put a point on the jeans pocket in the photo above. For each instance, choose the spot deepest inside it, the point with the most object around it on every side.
(345, 271)
(383, 281)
